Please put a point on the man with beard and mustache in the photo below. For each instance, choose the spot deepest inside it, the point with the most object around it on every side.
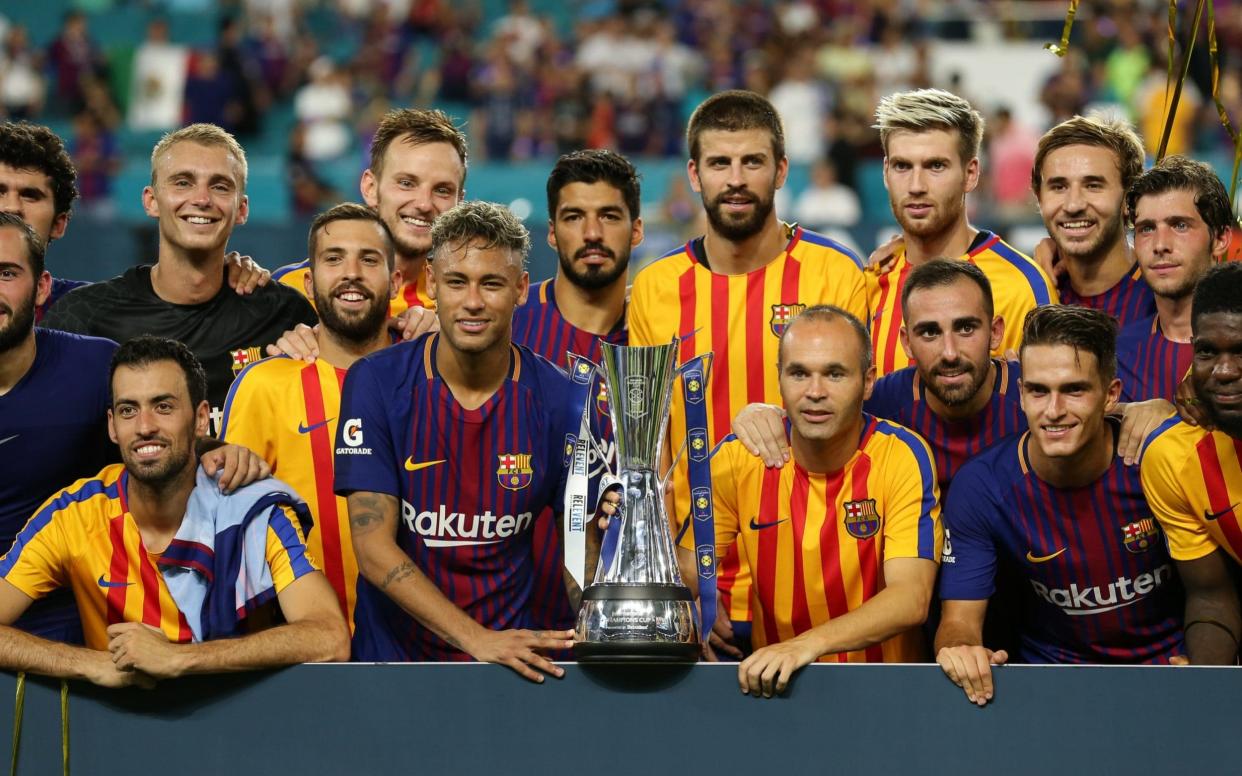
(1192, 475)
(1082, 170)
(931, 162)
(1058, 508)
(594, 224)
(288, 411)
(733, 291)
(1182, 225)
(168, 573)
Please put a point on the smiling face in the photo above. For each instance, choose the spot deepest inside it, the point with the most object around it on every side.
(1216, 371)
(1172, 242)
(197, 196)
(476, 290)
(737, 176)
(415, 184)
(154, 423)
(593, 234)
(1065, 398)
(949, 337)
(822, 382)
(351, 280)
(927, 181)
(1081, 200)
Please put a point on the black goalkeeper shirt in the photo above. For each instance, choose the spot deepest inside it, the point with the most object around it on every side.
(226, 332)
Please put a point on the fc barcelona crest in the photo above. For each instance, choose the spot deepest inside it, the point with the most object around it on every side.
(514, 471)
(782, 315)
(861, 519)
(242, 357)
(1140, 536)
(601, 399)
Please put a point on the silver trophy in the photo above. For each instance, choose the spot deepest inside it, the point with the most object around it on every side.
(638, 608)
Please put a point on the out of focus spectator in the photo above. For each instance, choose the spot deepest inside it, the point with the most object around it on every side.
(21, 82)
(1011, 153)
(802, 102)
(242, 71)
(157, 88)
(1126, 64)
(271, 54)
(210, 95)
(520, 33)
(311, 194)
(1067, 92)
(324, 108)
(826, 202)
(97, 159)
(73, 57)
(500, 100)
(1151, 112)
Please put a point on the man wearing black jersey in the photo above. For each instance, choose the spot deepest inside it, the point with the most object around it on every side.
(197, 192)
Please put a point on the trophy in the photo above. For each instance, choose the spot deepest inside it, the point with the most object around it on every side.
(638, 609)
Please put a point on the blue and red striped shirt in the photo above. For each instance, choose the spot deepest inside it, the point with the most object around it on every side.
(1150, 365)
(1128, 300)
(472, 483)
(1101, 587)
(902, 397)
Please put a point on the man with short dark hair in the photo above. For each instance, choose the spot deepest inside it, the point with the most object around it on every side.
(1058, 507)
(1192, 475)
(166, 570)
(450, 447)
(288, 411)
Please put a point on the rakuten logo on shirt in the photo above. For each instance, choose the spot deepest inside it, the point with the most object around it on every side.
(1095, 599)
(458, 529)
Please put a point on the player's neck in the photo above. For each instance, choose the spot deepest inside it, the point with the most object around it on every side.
(1174, 316)
(1094, 275)
(1078, 470)
(952, 243)
(824, 456)
(967, 409)
(158, 509)
(593, 310)
(473, 377)
(16, 362)
(181, 277)
(727, 257)
(411, 267)
(342, 352)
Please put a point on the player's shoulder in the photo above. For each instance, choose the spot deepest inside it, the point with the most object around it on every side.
(1000, 260)
(806, 244)
(79, 347)
(661, 269)
(1135, 332)
(290, 273)
(991, 468)
(269, 371)
(1173, 443)
(538, 370)
(892, 393)
(85, 498)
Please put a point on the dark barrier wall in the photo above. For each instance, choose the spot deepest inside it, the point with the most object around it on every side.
(466, 719)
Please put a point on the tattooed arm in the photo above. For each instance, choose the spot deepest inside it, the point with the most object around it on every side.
(373, 520)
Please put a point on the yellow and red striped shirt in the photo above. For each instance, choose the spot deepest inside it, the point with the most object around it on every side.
(1193, 482)
(1018, 286)
(412, 294)
(287, 411)
(85, 538)
(816, 543)
(739, 319)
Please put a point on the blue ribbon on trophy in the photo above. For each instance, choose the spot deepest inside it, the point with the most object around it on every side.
(575, 516)
(694, 375)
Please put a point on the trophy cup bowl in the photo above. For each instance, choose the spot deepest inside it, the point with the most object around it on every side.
(638, 609)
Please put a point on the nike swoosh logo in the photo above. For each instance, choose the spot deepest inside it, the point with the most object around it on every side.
(1210, 517)
(411, 466)
(105, 583)
(307, 429)
(1043, 558)
(755, 525)
(9, 439)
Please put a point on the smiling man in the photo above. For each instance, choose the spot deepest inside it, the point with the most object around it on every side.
(197, 194)
(288, 411)
(1193, 475)
(451, 448)
(1060, 509)
(166, 570)
(931, 162)
(1182, 226)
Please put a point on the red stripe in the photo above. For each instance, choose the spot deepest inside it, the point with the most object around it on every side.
(686, 327)
(321, 461)
(986, 246)
(800, 616)
(885, 283)
(720, 312)
(1218, 493)
(151, 614)
(184, 634)
(769, 544)
(118, 569)
(830, 551)
(895, 320)
(755, 332)
(868, 549)
(790, 277)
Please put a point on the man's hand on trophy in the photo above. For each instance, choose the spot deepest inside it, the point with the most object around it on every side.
(767, 672)
(520, 650)
(761, 428)
(720, 640)
(609, 503)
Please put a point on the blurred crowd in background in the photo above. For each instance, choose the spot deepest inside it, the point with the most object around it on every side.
(303, 82)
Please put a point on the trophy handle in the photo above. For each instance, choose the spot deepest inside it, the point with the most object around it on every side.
(668, 475)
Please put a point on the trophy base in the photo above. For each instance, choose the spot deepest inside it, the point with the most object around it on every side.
(621, 623)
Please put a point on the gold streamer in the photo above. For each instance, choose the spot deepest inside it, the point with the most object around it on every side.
(1171, 105)
(1060, 49)
(19, 706)
(1213, 50)
(64, 726)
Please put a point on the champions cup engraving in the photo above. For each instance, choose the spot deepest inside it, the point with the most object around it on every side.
(638, 608)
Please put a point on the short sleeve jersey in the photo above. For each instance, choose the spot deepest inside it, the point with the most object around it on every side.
(1150, 365)
(1130, 299)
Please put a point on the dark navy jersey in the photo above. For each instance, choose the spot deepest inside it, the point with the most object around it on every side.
(1100, 585)
(471, 485)
(1127, 301)
(1149, 364)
